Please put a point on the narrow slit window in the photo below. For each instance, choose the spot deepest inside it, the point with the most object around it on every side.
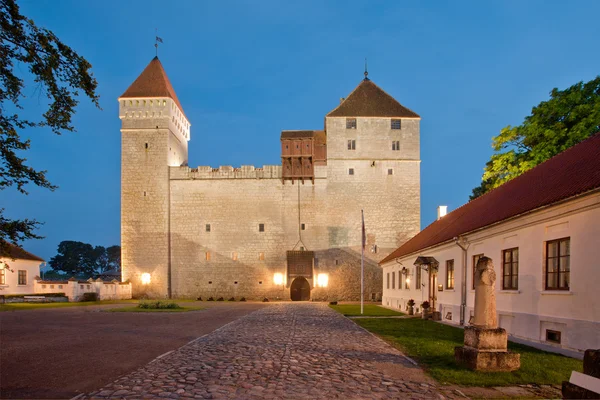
(261, 227)
(261, 256)
(303, 227)
(234, 256)
(207, 256)
(207, 227)
(351, 144)
(395, 145)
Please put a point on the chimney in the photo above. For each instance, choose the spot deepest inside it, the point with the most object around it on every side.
(442, 210)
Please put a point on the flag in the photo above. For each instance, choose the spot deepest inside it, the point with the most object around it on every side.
(364, 236)
(158, 40)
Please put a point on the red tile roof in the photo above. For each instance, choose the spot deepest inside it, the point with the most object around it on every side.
(369, 100)
(16, 253)
(573, 172)
(152, 82)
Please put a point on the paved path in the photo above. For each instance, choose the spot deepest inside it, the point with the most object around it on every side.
(62, 352)
(284, 351)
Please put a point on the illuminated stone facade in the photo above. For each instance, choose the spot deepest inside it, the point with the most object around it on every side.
(225, 232)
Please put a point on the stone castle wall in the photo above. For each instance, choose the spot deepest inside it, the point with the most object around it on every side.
(166, 208)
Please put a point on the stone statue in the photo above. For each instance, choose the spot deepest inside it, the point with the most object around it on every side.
(485, 346)
(485, 296)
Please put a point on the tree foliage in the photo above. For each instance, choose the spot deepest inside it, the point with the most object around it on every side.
(83, 259)
(28, 52)
(567, 118)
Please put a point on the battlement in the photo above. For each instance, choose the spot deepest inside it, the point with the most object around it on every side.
(227, 172)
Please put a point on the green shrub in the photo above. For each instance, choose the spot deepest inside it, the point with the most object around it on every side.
(89, 296)
(210, 299)
(243, 299)
(231, 299)
(162, 305)
(220, 299)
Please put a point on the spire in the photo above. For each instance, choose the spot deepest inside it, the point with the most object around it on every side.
(366, 70)
(152, 82)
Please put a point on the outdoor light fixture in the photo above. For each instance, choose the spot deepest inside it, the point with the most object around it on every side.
(322, 280)
(145, 278)
(407, 280)
(278, 279)
(440, 288)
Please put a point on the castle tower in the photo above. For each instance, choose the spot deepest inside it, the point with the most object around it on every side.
(155, 132)
(373, 163)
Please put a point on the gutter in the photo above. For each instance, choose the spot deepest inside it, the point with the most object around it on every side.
(462, 242)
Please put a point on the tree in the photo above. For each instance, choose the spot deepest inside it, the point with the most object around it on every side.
(60, 74)
(75, 258)
(114, 257)
(83, 259)
(570, 116)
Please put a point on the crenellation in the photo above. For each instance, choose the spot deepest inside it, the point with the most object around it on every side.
(226, 231)
(227, 172)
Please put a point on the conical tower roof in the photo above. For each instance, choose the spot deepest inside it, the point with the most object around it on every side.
(152, 82)
(369, 100)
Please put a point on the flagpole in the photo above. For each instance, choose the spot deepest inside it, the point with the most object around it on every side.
(362, 265)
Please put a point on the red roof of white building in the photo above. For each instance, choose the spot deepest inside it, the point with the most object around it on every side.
(573, 172)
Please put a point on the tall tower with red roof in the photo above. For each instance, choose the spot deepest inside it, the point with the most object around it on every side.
(155, 134)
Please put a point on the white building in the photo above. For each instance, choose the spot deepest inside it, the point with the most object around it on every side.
(20, 275)
(18, 270)
(542, 231)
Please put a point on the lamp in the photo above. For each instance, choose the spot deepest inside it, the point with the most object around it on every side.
(322, 280)
(278, 279)
(146, 278)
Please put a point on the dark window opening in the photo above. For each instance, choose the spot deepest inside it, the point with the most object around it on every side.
(351, 144)
(303, 227)
(146, 145)
(235, 283)
(396, 124)
(390, 171)
(261, 227)
(351, 171)
(210, 282)
(395, 145)
(260, 282)
(350, 123)
(553, 336)
(207, 227)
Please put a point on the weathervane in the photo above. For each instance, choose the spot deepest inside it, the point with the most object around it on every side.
(366, 71)
(157, 41)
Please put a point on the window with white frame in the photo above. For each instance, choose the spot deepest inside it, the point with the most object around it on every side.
(558, 264)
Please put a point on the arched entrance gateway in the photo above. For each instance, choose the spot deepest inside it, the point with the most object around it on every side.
(300, 289)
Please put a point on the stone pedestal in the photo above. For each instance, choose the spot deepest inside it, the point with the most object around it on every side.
(486, 350)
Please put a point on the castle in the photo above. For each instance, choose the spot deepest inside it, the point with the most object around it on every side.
(289, 231)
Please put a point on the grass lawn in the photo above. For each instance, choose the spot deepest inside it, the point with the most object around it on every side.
(37, 306)
(137, 309)
(432, 345)
(371, 310)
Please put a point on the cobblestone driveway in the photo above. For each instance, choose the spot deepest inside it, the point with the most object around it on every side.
(284, 351)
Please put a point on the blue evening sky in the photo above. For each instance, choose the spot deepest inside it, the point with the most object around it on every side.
(245, 70)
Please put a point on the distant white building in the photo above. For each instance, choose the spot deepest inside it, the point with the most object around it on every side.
(19, 275)
(542, 231)
(18, 268)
